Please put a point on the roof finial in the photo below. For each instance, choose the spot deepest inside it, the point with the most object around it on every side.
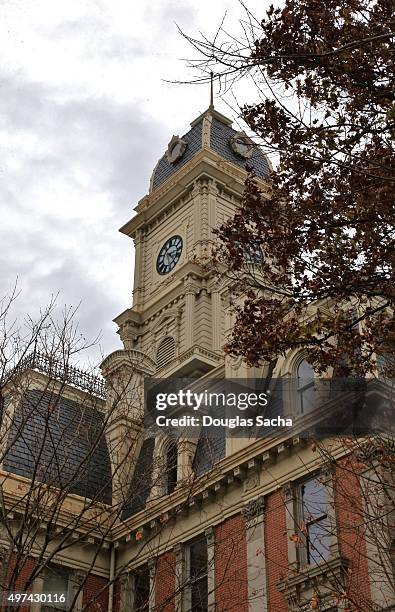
(211, 91)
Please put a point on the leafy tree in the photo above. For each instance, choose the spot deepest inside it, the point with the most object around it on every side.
(324, 74)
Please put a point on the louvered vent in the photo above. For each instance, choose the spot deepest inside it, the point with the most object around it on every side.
(166, 352)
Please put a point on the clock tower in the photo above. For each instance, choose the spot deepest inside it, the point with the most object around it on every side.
(178, 321)
(178, 317)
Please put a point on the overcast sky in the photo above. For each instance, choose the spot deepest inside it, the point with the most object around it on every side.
(85, 117)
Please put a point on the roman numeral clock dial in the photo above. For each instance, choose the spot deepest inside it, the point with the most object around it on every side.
(169, 255)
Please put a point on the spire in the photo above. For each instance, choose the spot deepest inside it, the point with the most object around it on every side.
(211, 107)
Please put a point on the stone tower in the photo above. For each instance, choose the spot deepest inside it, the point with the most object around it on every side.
(178, 322)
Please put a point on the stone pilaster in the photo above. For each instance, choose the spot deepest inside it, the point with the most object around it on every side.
(138, 291)
(126, 595)
(180, 578)
(190, 289)
(152, 585)
(209, 533)
(78, 579)
(253, 513)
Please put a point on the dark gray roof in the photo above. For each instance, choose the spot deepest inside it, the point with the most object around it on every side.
(208, 452)
(210, 448)
(141, 481)
(63, 441)
(221, 134)
(164, 169)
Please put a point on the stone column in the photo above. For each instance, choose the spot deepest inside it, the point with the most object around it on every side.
(124, 372)
(253, 513)
(185, 453)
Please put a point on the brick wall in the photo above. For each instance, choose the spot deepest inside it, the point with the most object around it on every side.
(231, 587)
(276, 550)
(117, 596)
(93, 585)
(23, 574)
(165, 582)
(17, 581)
(350, 520)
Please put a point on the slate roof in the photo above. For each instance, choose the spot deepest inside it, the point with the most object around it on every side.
(210, 449)
(164, 169)
(64, 440)
(141, 481)
(221, 135)
(219, 142)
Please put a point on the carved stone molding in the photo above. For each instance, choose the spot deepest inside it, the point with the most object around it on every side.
(209, 533)
(288, 491)
(254, 508)
(252, 481)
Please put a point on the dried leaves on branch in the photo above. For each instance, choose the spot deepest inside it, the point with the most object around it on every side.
(324, 77)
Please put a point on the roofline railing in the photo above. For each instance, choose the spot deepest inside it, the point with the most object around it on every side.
(57, 369)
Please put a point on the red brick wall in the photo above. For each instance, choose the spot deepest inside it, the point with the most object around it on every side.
(92, 586)
(117, 596)
(165, 582)
(350, 519)
(231, 586)
(19, 582)
(24, 573)
(276, 549)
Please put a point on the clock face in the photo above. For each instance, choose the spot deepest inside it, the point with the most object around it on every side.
(169, 255)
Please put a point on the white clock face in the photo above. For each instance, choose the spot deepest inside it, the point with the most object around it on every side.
(169, 255)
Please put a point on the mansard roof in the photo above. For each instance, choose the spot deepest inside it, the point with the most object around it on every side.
(141, 484)
(60, 442)
(208, 452)
(221, 133)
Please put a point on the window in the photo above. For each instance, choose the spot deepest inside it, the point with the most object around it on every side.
(313, 522)
(305, 387)
(171, 468)
(56, 580)
(141, 589)
(385, 364)
(198, 575)
(251, 253)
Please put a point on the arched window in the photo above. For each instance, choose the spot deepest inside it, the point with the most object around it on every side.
(171, 468)
(166, 351)
(305, 386)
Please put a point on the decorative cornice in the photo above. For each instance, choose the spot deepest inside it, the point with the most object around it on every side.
(131, 359)
(332, 570)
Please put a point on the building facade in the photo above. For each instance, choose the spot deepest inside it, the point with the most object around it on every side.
(263, 524)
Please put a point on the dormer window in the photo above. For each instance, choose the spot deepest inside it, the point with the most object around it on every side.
(305, 386)
(171, 467)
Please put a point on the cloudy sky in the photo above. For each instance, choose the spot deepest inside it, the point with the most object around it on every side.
(85, 116)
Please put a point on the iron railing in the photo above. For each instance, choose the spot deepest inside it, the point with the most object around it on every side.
(57, 369)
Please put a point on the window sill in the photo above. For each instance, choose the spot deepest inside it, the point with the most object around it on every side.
(333, 569)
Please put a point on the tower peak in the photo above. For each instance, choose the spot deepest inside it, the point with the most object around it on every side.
(211, 107)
